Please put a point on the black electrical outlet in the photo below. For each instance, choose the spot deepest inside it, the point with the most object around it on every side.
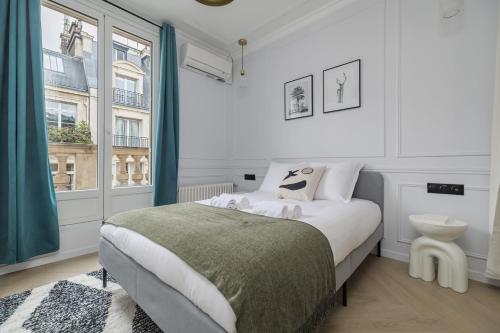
(455, 189)
(249, 176)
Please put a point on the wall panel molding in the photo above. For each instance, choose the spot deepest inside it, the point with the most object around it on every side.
(431, 170)
(400, 148)
(375, 168)
(403, 218)
(353, 156)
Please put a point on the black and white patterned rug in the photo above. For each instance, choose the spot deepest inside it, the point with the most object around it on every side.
(78, 304)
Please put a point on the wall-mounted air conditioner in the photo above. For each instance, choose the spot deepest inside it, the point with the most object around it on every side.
(206, 62)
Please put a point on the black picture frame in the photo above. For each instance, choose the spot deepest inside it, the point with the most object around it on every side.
(311, 97)
(358, 105)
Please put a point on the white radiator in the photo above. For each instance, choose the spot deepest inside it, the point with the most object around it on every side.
(202, 192)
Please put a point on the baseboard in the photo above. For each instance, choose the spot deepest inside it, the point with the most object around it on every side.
(481, 277)
(473, 274)
(48, 259)
(395, 255)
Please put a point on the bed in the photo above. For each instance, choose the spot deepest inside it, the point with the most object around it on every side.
(143, 268)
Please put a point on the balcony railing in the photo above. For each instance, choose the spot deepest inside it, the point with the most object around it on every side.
(130, 141)
(129, 98)
(74, 166)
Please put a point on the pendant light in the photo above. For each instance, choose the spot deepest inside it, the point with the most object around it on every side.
(243, 79)
(242, 42)
(215, 3)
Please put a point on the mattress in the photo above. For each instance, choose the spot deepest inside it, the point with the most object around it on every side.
(345, 225)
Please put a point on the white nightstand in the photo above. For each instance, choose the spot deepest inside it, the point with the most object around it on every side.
(439, 233)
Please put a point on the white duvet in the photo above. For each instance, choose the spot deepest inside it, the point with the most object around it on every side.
(345, 225)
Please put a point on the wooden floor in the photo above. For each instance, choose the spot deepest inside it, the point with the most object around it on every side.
(34, 277)
(382, 298)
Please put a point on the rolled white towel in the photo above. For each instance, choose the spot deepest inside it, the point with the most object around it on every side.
(250, 211)
(271, 209)
(265, 212)
(294, 211)
(223, 203)
(241, 201)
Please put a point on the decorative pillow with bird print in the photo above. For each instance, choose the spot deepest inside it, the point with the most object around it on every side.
(300, 183)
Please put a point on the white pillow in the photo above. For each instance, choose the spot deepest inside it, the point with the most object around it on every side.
(275, 174)
(300, 183)
(338, 181)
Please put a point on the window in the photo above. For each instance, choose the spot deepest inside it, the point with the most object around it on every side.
(119, 55)
(60, 114)
(128, 133)
(85, 47)
(131, 112)
(125, 83)
(72, 126)
(53, 63)
(70, 172)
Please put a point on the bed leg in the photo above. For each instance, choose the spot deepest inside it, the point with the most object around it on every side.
(104, 278)
(379, 249)
(344, 294)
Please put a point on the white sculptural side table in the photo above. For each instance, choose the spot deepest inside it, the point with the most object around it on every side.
(437, 242)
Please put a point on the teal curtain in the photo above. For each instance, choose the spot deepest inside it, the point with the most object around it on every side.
(28, 211)
(167, 131)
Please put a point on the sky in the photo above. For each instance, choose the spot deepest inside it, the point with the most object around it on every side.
(53, 25)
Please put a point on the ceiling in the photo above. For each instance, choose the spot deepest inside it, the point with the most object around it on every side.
(223, 26)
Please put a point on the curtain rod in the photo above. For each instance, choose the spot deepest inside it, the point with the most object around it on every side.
(131, 13)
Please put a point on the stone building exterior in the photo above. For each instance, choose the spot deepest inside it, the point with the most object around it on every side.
(71, 95)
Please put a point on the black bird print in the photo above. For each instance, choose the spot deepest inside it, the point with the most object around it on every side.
(291, 174)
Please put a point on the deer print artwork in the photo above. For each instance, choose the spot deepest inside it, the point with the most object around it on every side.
(340, 90)
(337, 95)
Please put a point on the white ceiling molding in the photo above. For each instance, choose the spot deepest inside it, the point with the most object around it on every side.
(258, 39)
(336, 11)
(262, 22)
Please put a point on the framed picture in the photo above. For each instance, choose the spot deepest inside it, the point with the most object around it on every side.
(342, 87)
(299, 98)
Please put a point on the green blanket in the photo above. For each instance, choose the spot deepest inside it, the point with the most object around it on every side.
(278, 275)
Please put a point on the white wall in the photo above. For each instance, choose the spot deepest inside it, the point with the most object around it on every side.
(427, 96)
(204, 108)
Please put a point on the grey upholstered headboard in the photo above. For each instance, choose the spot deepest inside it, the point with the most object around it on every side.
(370, 186)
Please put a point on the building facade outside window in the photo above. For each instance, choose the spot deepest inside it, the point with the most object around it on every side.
(70, 59)
(131, 110)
